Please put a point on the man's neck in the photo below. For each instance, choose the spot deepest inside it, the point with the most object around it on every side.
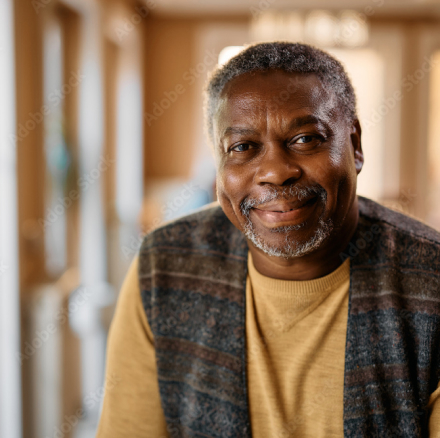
(314, 265)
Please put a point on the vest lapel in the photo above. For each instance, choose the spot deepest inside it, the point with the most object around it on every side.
(387, 369)
(193, 279)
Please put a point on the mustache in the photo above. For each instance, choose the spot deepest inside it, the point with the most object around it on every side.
(297, 192)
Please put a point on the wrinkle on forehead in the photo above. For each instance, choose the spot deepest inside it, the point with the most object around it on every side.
(271, 96)
(329, 104)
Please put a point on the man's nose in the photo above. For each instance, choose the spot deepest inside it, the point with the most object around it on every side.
(278, 167)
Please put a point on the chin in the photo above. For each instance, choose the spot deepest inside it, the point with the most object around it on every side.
(289, 243)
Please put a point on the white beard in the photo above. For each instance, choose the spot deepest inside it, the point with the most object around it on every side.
(289, 248)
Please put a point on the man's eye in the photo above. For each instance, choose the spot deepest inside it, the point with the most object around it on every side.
(241, 147)
(305, 139)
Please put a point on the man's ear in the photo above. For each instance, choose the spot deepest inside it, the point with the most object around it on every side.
(355, 137)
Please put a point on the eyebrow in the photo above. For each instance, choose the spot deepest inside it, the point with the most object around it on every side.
(236, 130)
(295, 124)
(306, 120)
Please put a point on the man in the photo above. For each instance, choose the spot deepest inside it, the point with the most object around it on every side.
(295, 308)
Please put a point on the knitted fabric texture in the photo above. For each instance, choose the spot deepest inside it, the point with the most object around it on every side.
(192, 275)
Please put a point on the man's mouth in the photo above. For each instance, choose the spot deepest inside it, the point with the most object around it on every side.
(278, 213)
(284, 206)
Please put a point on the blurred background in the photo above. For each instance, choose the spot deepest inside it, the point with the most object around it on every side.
(101, 140)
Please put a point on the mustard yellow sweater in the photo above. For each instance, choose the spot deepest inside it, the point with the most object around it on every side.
(295, 349)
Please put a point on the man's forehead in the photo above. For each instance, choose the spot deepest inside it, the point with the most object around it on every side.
(274, 84)
(275, 93)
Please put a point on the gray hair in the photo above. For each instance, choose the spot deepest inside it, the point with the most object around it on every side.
(289, 57)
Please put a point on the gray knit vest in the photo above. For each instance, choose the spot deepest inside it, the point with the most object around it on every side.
(192, 275)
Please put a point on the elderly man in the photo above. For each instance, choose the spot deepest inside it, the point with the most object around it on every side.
(294, 308)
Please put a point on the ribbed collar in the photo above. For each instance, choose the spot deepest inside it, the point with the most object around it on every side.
(274, 286)
(280, 304)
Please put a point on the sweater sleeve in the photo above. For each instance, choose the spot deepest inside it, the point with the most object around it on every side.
(131, 406)
(434, 419)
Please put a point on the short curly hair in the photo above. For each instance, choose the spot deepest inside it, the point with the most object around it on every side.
(289, 57)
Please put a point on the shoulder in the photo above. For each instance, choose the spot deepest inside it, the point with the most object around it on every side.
(401, 224)
(206, 228)
(395, 238)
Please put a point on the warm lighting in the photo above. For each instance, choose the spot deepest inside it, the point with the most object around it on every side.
(228, 52)
(353, 30)
(319, 27)
(273, 26)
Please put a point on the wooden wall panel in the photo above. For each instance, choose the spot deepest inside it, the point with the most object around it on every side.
(169, 102)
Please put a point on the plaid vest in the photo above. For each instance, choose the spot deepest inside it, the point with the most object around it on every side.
(192, 275)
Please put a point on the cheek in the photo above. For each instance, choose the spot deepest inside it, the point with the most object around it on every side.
(232, 183)
(340, 164)
(335, 176)
(340, 184)
(231, 190)
(348, 174)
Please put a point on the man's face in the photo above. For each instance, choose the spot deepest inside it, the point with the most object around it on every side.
(287, 161)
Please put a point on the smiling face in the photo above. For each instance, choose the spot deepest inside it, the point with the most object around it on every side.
(287, 162)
